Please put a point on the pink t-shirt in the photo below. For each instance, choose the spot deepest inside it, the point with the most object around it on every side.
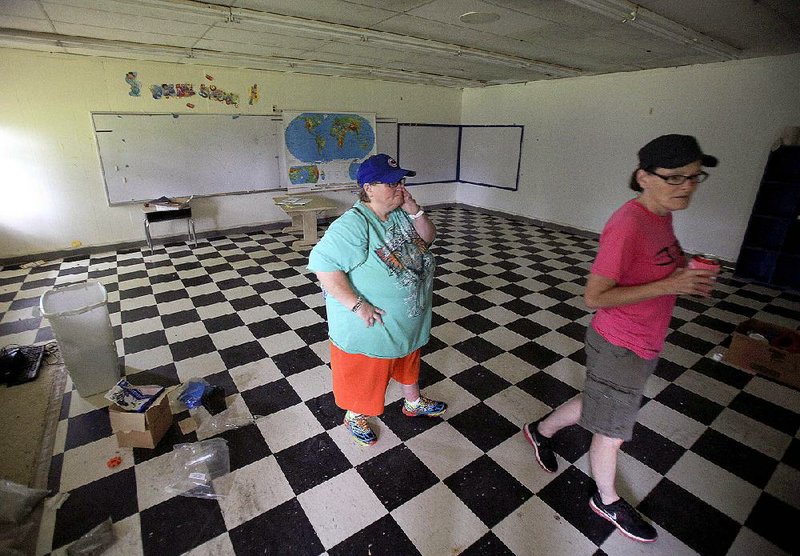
(637, 247)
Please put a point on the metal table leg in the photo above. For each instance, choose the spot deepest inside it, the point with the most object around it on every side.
(147, 233)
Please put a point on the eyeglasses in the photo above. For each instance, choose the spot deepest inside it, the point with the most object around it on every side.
(394, 185)
(680, 180)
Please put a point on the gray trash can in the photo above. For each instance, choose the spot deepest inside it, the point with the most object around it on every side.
(78, 315)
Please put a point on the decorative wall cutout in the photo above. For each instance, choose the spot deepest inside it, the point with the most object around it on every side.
(136, 87)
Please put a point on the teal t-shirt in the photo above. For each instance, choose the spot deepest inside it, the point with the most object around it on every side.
(391, 267)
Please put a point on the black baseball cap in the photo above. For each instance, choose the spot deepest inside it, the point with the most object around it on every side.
(673, 151)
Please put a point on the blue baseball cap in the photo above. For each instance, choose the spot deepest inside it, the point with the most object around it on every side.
(381, 168)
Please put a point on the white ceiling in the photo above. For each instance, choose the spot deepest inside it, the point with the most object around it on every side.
(418, 41)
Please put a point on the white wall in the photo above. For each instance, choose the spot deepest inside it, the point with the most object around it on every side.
(581, 138)
(582, 135)
(52, 188)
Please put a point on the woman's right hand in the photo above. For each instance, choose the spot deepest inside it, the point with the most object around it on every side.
(370, 314)
(685, 281)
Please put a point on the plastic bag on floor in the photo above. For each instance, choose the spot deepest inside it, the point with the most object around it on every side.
(17, 501)
(236, 415)
(94, 542)
(196, 465)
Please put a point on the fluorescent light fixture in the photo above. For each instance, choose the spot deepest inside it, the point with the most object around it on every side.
(660, 26)
(125, 49)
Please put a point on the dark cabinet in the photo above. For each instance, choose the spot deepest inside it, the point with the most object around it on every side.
(770, 251)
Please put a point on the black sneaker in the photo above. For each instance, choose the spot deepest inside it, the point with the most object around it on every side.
(629, 522)
(541, 446)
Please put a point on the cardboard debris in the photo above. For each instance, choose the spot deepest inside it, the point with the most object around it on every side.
(767, 349)
(188, 425)
(141, 430)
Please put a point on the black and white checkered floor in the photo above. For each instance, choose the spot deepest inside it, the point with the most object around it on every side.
(714, 463)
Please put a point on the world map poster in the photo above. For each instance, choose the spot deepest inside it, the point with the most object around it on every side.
(326, 148)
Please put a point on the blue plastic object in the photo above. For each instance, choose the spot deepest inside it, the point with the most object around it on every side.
(192, 395)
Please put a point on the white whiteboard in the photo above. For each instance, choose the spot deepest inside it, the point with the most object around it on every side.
(387, 137)
(145, 156)
(490, 155)
(430, 150)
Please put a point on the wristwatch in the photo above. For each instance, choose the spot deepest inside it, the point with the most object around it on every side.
(415, 216)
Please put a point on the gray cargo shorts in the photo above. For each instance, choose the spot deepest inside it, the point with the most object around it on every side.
(615, 380)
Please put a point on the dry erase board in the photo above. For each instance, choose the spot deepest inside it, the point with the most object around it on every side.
(145, 156)
(490, 155)
(486, 155)
(387, 137)
(429, 149)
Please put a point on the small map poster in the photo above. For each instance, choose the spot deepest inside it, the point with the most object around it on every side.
(326, 148)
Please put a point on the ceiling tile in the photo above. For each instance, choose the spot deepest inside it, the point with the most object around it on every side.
(249, 49)
(24, 9)
(92, 18)
(26, 23)
(231, 34)
(420, 37)
(449, 11)
(334, 11)
(124, 35)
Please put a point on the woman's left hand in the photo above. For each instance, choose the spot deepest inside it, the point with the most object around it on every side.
(370, 314)
(424, 226)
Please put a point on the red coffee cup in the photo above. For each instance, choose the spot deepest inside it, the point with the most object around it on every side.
(705, 261)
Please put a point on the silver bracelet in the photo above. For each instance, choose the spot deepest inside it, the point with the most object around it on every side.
(359, 303)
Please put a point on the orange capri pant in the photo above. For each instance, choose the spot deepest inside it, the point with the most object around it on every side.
(359, 381)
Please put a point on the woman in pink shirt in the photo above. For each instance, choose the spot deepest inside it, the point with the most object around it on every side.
(635, 279)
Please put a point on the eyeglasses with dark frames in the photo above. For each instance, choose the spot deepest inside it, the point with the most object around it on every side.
(678, 179)
(394, 185)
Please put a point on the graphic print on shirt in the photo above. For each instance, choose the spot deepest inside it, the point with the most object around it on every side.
(410, 262)
(669, 256)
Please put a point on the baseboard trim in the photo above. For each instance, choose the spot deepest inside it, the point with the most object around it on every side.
(83, 252)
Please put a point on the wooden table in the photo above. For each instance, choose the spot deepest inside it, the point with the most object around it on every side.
(151, 214)
(304, 217)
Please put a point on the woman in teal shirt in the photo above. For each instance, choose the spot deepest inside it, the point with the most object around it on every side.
(376, 270)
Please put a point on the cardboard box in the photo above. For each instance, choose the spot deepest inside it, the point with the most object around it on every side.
(766, 349)
(141, 430)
